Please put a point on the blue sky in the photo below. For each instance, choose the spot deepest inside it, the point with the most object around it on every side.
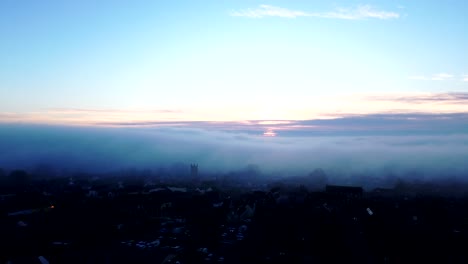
(117, 61)
(344, 85)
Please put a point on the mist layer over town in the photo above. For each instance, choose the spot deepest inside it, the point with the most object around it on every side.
(425, 150)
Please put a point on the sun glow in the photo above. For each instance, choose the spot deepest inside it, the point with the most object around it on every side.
(269, 133)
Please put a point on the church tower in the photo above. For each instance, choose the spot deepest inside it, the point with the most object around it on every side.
(194, 170)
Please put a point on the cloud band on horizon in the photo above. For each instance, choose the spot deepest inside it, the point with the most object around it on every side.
(323, 108)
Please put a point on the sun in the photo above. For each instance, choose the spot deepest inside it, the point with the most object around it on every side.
(269, 133)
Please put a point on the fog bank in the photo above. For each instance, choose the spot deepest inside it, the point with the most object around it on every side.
(98, 149)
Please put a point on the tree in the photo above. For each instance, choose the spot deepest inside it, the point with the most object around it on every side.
(19, 178)
(44, 171)
(318, 178)
(3, 180)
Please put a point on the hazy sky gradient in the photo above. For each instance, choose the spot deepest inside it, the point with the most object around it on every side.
(349, 86)
(227, 60)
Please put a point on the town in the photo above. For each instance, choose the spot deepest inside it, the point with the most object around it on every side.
(145, 217)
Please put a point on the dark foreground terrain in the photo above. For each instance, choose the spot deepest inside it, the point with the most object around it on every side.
(91, 220)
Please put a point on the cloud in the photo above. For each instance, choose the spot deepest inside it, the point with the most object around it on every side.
(361, 12)
(110, 111)
(435, 77)
(446, 98)
(352, 124)
(301, 109)
(84, 116)
(465, 78)
(268, 10)
(357, 13)
(441, 76)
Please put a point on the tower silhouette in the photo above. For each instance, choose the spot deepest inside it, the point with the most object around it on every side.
(194, 170)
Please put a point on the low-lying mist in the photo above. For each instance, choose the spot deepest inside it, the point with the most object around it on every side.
(101, 149)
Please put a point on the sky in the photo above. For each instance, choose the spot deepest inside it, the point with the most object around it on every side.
(89, 62)
(353, 86)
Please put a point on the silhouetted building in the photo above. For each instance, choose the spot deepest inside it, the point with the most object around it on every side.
(194, 170)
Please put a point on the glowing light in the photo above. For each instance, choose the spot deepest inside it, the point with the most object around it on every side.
(273, 122)
(52, 207)
(269, 133)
